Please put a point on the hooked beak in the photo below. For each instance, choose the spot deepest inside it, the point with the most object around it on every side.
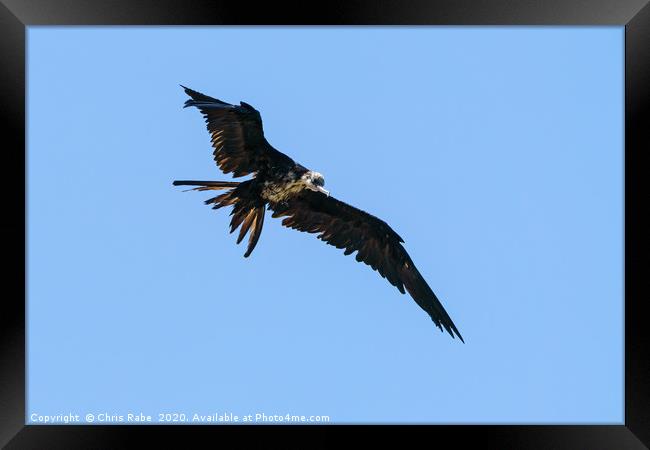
(319, 189)
(324, 191)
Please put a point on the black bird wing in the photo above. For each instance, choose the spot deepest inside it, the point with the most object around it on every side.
(237, 136)
(376, 243)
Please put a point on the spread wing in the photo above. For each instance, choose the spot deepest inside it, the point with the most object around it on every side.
(377, 245)
(237, 136)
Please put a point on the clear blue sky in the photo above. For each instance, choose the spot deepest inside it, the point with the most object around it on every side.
(496, 153)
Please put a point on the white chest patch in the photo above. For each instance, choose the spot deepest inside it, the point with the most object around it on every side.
(279, 192)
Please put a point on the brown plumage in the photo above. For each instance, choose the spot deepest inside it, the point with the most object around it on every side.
(296, 193)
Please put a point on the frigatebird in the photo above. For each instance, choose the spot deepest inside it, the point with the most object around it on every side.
(292, 191)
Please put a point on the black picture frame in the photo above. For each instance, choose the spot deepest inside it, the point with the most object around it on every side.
(16, 15)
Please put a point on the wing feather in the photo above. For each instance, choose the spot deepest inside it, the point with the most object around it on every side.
(237, 136)
(375, 242)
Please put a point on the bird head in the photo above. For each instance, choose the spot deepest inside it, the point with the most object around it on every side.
(315, 181)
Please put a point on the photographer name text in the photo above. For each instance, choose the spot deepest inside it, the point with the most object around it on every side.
(142, 418)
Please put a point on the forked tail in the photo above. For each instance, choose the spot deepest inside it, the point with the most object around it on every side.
(207, 185)
(248, 209)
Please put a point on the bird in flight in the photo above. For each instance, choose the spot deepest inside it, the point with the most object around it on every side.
(296, 193)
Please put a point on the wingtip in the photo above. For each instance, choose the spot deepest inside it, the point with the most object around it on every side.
(453, 330)
(188, 91)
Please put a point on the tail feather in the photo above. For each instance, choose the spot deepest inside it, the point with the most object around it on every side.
(258, 222)
(221, 200)
(250, 216)
(207, 185)
(246, 224)
(248, 210)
